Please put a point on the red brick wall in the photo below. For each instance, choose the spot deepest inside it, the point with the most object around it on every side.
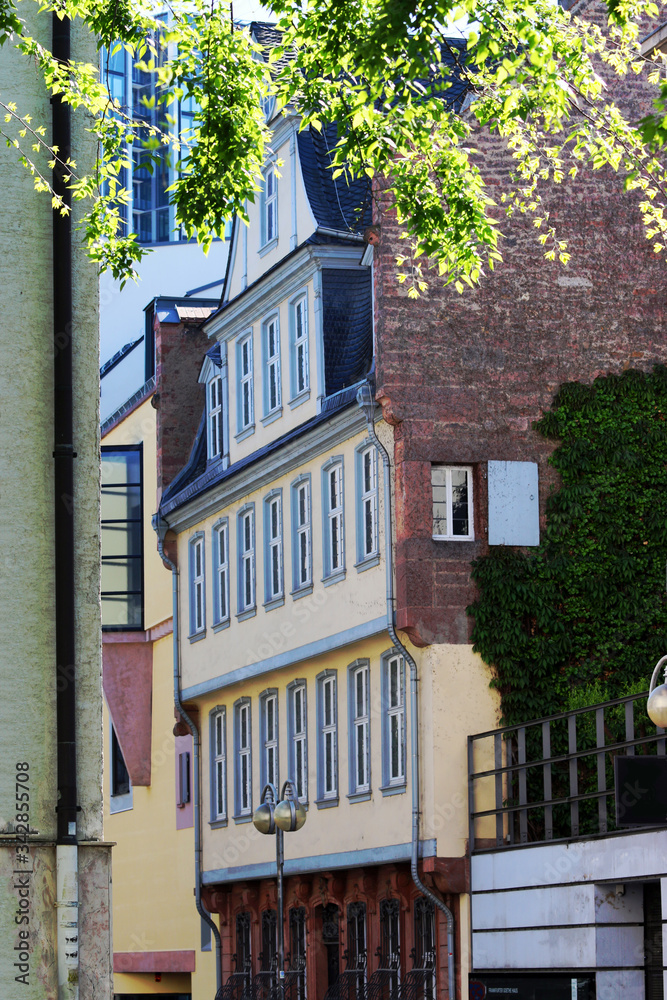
(463, 377)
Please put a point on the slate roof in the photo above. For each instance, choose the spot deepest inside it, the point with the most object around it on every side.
(337, 204)
(348, 326)
(269, 37)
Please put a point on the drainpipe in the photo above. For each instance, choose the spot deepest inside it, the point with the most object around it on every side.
(367, 404)
(63, 453)
(161, 528)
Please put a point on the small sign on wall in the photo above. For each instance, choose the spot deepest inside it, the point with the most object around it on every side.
(641, 790)
(514, 508)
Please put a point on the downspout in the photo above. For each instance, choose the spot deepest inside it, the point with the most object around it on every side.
(367, 404)
(161, 528)
(67, 903)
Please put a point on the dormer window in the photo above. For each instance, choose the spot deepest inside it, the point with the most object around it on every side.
(269, 207)
(215, 417)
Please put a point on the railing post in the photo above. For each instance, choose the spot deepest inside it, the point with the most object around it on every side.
(498, 763)
(574, 774)
(546, 771)
(601, 768)
(471, 794)
(523, 794)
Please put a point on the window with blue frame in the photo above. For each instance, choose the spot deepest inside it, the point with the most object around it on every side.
(244, 382)
(122, 538)
(299, 360)
(197, 585)
(393, 721)
(273, 547)
(220, 539)
(327, 730)
(269, 206)
(268, 717)
(272, 380)
(242, 759)
(246, 559)
(367, 503)
(302, 565)
(359, 728)
(218, 737)
(333, 519)
(297, 736)
(214, 412)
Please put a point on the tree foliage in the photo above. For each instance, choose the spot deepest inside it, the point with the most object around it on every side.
(389, 74)
(582, 617)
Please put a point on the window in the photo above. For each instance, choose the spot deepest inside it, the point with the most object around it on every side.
(272, 388)
(393, 722)
(221, 572)
(273, 548)
(218, 731)
(242, 737)
(300, 379)
(122, 538)
(269, 207)
(120, 778)
(245, 414)
(246, 550)
(197, 586)
(297, 736)
(215, 446)
(334, 553)
(360, 765)
(269, 737)
(327, 727)
(302, 570)
(452, 502)
(183, 779)
(367, 500)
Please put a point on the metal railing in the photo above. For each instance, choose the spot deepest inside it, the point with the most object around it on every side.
(552, 778)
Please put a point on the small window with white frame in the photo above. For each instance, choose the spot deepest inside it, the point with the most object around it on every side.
(334, 546)
(360, 763)
(243, 755)
(301, 535)
(218, 729)
(393, 721)
(245, 414)
(327, 725)
(273, 542)
(272, 382)
(269, 205)
(215, 426)
(197, 586)
(221, 572)
(269, 737)
(246, 557)
(298, 737)
(300, 375)
(367, 500)
(452, 502)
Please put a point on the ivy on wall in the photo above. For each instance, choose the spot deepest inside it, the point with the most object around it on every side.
(584, 615)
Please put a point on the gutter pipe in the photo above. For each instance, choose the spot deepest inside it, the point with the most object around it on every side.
(161, 528)
(367, 403)
(67, 903)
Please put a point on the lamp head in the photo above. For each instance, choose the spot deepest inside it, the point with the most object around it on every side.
(290, 815)
(657, 706)
(264, 818)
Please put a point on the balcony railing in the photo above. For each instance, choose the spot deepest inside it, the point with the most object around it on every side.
(552, 779)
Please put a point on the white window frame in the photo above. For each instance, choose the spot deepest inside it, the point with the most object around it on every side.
(197, 585)
(218, 731)
(327, 725)
(298, 737)
(299, 346)
(302, 534)
(246, 402)
(367, 501)
(360, 728)
(269, 706)
(272, 377)
(220, 572)
(273, 547)
(333, 512)
(243, 755)
(246, 559)
(269, 203)
(214, 399)
(393, 720)
(448, 470)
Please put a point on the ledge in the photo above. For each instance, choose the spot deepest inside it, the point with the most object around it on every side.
(359, 796)
(365, 564)
(154, 961)
(217, 824)
(394, 789)
(243, 616)
(197, 636)
(219, 626)
(300, 398)
(301, 592)
(245, 433)
(273, 415)
(275, 602)
(326, 803)
(267, 247)
(336, 577)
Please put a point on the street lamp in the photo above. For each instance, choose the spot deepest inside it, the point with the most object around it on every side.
(279, 817)
(657, 698)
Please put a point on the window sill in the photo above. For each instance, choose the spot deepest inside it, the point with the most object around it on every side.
(326, 803)
(453, 538)
(197, 636)
(304, 591)
(275, 602)
(271, 245)
(360, 796)
(219, 626)
(297, 400)
(336, 577)
(273, 415)
(217, 824)
(394, 789)
(243, 616)
(367, 563)
(243, 819)
(245, 433)
(120, 803)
